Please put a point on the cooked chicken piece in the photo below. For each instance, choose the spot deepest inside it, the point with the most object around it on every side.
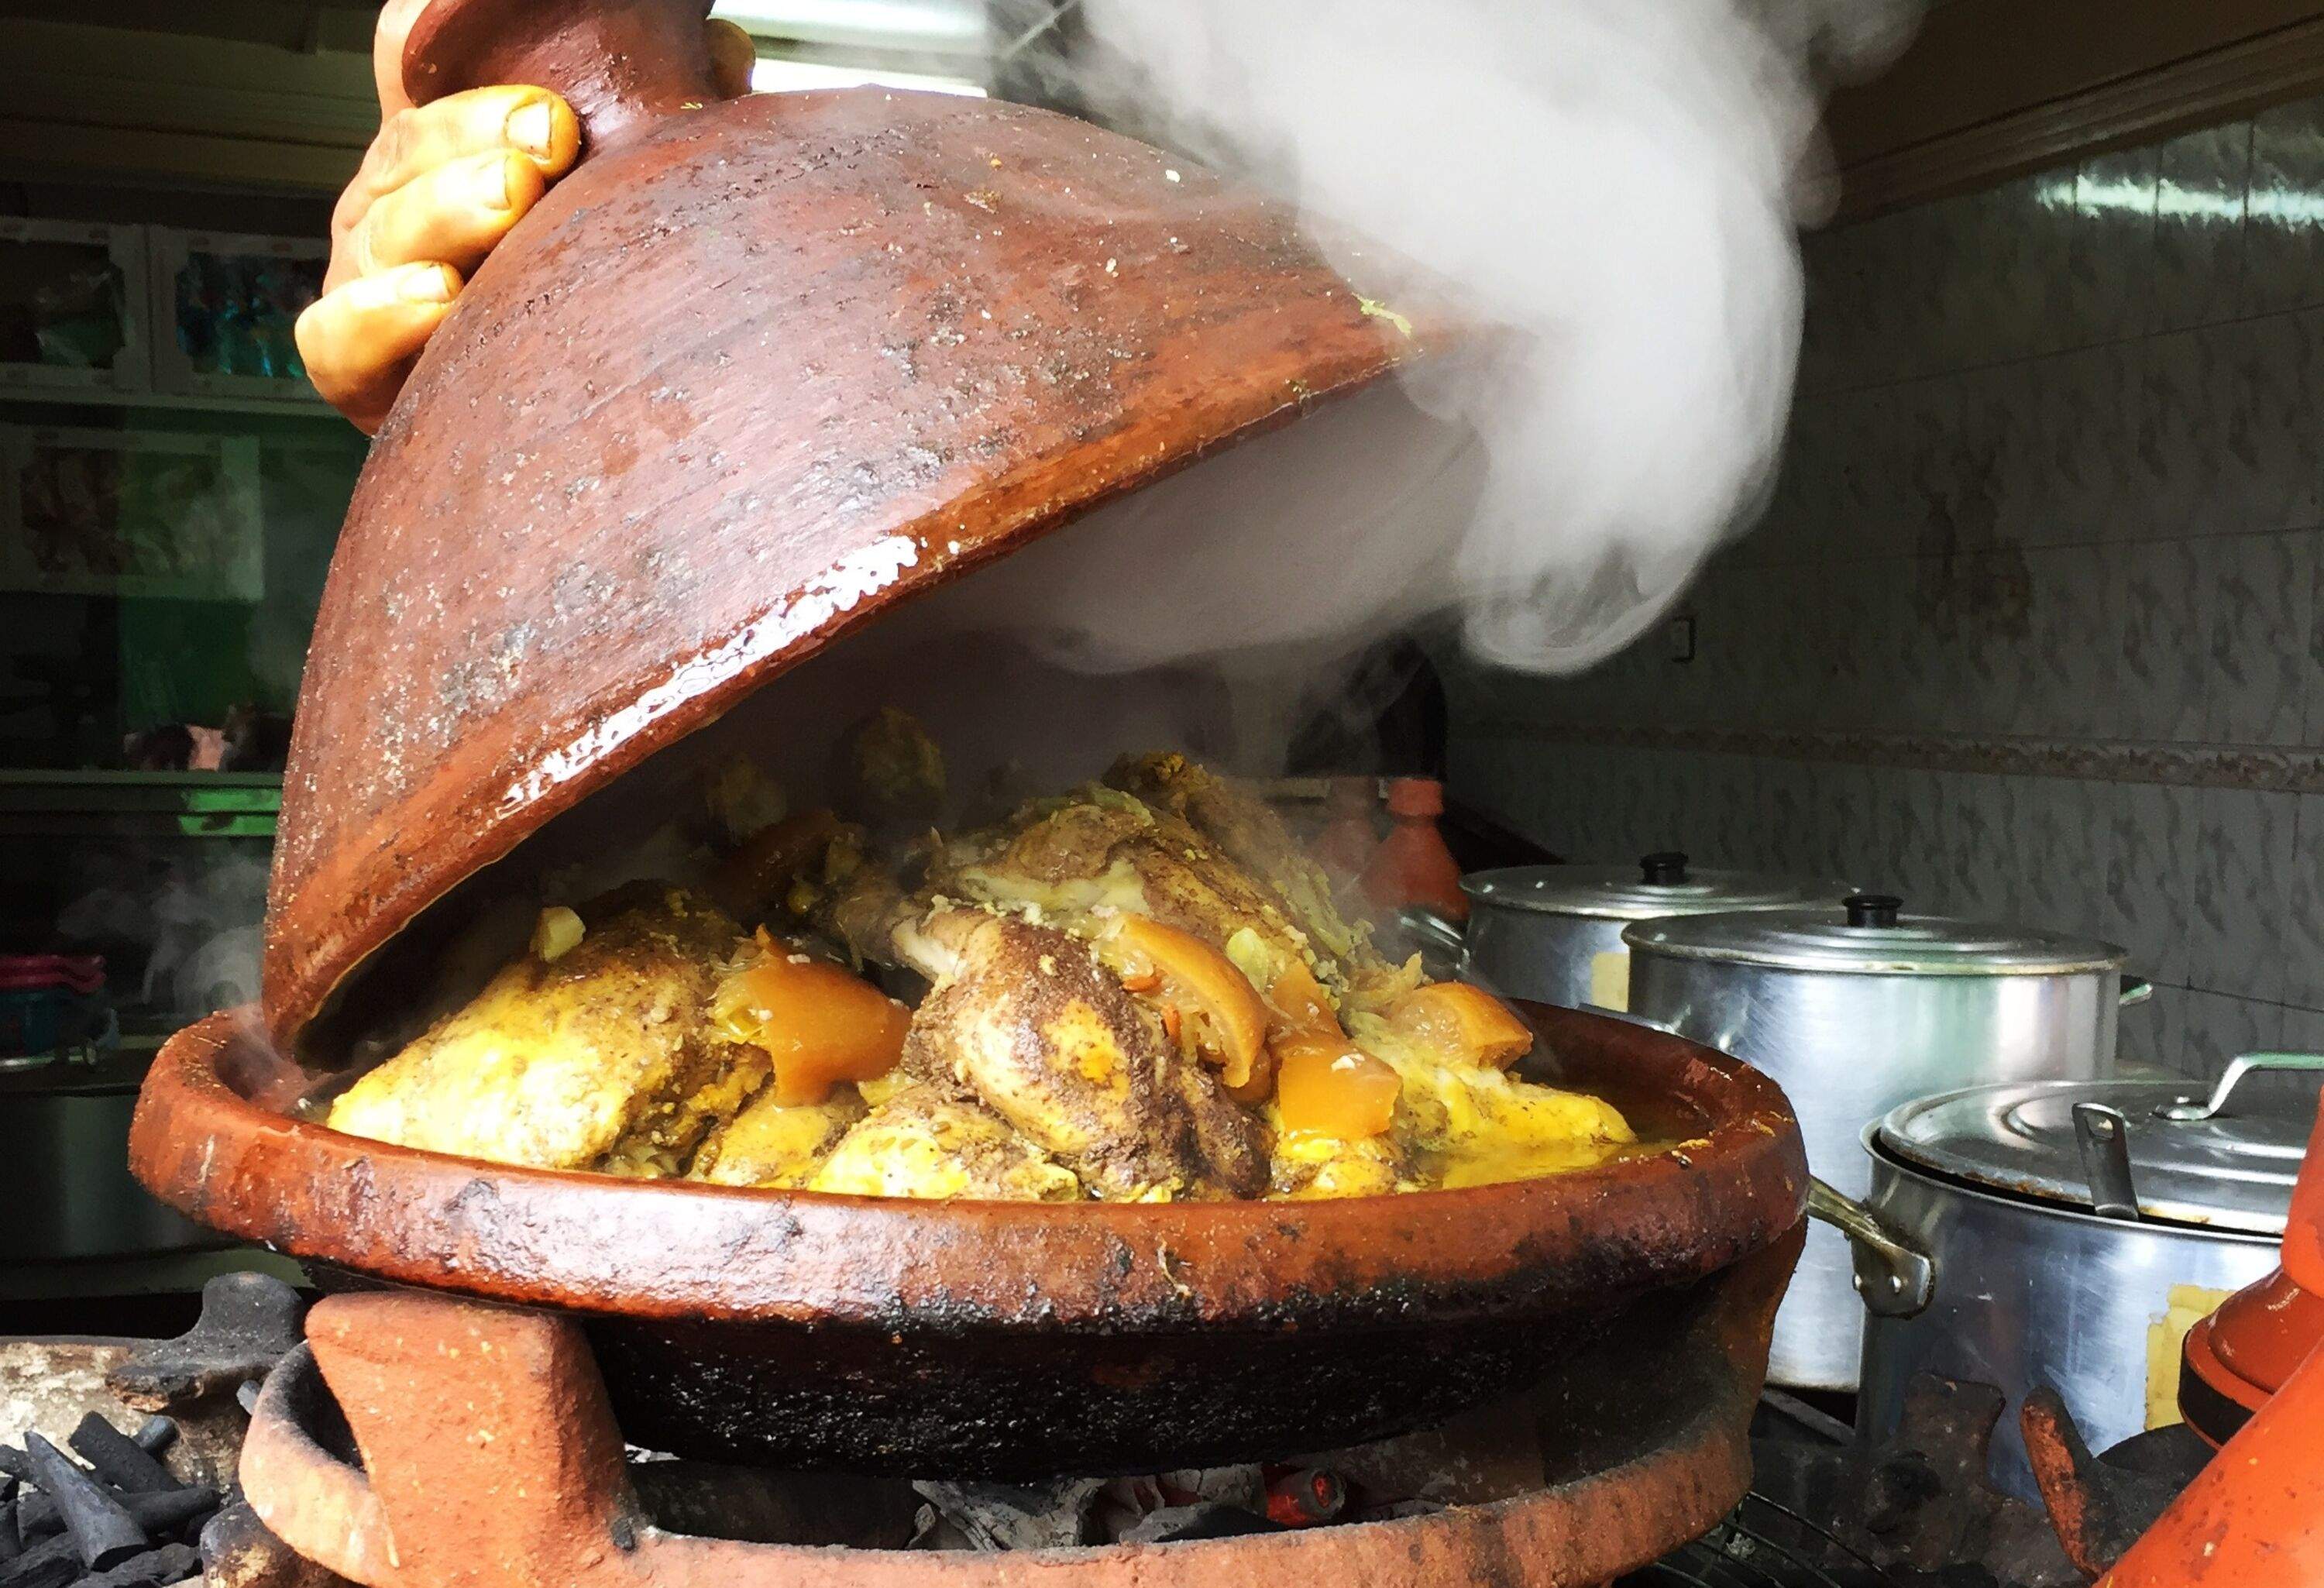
(927, 1142)
(1309, 1165)
(1235, 820)
(1099, 851)
(1475, 1125)
(1026, 1018)
(598, 1058)
(772, 1143)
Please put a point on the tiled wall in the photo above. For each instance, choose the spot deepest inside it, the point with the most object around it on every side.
(2031, 628)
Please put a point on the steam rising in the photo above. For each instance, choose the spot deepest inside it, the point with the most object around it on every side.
(1613, 180)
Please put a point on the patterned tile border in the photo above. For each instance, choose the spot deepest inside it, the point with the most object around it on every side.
(2207, 766)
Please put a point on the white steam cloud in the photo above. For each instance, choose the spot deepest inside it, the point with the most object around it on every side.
(1616, 181)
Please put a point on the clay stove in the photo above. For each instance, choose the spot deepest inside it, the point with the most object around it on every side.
(427, 1442)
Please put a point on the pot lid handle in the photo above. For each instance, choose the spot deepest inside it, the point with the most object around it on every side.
(2105, 1136)
(2190, 1111)
(1873, 909)
(1662, 868)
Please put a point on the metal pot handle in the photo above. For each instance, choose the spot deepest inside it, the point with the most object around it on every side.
(1429, 925)
(1896, 1279)
(2135, 989)
(2186, 1111)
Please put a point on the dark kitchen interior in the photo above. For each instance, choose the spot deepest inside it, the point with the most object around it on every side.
(1636, 897)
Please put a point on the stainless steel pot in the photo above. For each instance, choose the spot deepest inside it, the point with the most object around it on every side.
(2046, 1233)
(1854, 1009)
(64, 1166)
(1554, 933)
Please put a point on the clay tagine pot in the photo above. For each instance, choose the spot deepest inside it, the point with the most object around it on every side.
(752, 374)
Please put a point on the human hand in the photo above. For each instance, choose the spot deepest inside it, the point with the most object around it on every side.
(440, 185)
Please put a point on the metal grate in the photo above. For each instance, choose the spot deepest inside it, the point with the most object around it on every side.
(1764, 1545)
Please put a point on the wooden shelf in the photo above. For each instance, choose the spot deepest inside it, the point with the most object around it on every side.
(281, 407)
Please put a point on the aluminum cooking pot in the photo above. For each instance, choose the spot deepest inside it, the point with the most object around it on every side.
(1554, 933)
(2064, 1232)
(1856, 1008)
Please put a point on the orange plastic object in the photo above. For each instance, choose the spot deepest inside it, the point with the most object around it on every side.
(819, 1024)
(2254, 1517)
(1461, 1024)
(1412, 865)
(1324, 1084)
(2263, 1333)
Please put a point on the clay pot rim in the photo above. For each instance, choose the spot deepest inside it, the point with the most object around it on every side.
(678, 1250)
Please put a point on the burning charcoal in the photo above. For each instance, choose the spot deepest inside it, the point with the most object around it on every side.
(156, 1513)
(248, 1323)
(1305, 1497)
(1180, 1524)
(100, 1527)
(172, 1563)
(114, 1456)
(50, 1564)
(156, 1434)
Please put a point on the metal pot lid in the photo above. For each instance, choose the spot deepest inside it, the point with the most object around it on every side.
(1663, 883)
(1868, 934)
(2222, 1165)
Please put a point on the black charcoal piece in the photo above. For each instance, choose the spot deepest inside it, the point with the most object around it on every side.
(172, 1562)
(156, 1513)
(11, 1544)
(100, 1527)
(50, 1564)
(156, 1434)
(15, 1463)
(114, 1456)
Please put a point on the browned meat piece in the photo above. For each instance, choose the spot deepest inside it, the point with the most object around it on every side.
(1100, 850)
(1242, 826)
(1026, 1018)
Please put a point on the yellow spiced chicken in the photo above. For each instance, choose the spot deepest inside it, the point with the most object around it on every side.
(1140, 990)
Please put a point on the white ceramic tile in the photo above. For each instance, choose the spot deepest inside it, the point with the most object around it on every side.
(2064, 847)
(2160, 643)
(2283, 224)
(2090, 409)
(2226, 432)
(2302, 949)
(2242, 893)
(2070, 659)
(2112, 251)
(2199, 233)
(2220, 1028)
(2154, 1033)
(2258, 615)
(2150, 877)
